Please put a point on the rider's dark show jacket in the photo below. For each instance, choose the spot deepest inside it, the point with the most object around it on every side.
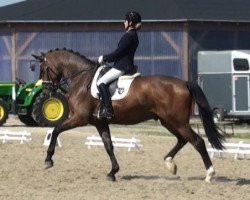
(123, 55)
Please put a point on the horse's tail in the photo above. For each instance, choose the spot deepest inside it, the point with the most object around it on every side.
(214, 137)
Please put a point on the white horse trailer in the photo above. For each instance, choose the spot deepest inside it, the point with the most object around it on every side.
(224, 77)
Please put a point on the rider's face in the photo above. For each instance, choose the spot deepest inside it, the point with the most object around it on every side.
(126, 24)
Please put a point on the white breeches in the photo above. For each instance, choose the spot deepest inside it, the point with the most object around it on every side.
(110, 75)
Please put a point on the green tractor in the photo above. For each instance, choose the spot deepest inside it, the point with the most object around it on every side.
(32, 107)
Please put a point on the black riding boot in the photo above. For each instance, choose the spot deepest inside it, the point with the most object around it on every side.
(106, 110)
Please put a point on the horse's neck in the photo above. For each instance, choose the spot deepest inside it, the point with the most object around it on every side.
(78, 76)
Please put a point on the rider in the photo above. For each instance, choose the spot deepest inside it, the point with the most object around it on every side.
(123, 58)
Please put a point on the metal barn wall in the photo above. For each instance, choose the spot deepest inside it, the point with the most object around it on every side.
(162, 50)
(5, 56)
(159, 52)
(216, 37)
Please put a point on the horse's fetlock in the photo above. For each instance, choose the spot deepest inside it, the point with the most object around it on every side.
(116, 169)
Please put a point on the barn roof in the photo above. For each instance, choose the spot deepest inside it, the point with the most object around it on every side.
(113, 10)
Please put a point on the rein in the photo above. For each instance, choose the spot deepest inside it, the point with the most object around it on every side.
(64, 80)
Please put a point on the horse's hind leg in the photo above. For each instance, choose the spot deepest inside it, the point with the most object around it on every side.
(188, 133)
(171, 166)
(200, 146)
(104, 132)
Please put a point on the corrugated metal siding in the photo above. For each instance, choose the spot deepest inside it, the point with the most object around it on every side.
(5, 58)
(90, 44)
(158, 52)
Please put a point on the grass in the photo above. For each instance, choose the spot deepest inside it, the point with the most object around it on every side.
(150, 127)
(242, 135)
(155, 128)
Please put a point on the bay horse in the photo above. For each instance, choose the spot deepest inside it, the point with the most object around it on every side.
(162, 98)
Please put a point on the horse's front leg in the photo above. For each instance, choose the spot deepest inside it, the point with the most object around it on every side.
(104, 132)
(69, 123)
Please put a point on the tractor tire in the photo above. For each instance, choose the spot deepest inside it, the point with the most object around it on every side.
(27, 120)
(4, 114)
(50, 110)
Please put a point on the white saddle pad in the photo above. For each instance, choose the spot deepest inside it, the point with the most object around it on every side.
(123, 84)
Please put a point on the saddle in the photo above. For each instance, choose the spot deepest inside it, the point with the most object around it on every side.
(118, 88)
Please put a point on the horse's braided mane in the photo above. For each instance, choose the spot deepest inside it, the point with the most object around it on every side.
(71, 51)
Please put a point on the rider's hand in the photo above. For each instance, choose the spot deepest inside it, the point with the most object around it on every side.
(100, 59)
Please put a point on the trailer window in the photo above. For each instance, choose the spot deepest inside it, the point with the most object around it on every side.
(241, 64)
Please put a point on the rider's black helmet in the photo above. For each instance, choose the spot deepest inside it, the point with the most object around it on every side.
(133, 16)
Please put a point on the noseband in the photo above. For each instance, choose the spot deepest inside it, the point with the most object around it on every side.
(50, 83)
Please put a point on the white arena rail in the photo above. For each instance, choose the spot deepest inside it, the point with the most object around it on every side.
(22, 136)
(238, 149)
(117, 142)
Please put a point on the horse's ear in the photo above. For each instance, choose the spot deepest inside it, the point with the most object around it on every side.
(39, 58)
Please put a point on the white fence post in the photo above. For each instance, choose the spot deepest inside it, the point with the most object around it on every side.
(22, 136)
(117, 142)
(238, 149)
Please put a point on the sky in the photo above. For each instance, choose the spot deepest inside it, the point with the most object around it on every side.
(7, 2)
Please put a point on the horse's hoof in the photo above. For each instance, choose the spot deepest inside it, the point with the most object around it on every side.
(49, 164)
(210, 174)
(171, 166)
(111, 178)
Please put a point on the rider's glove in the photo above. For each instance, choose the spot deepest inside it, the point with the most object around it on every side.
(100, 59)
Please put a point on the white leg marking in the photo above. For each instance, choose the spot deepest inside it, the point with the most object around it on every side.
(210, 174)
(171, 166)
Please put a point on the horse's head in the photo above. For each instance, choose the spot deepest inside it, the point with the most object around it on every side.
(66, 64)
(49, 71)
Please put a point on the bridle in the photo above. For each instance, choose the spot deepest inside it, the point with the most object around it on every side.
(53, 85)
(45, 68)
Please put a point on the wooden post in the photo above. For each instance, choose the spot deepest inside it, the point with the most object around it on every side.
(185, 64)
(13, 54)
